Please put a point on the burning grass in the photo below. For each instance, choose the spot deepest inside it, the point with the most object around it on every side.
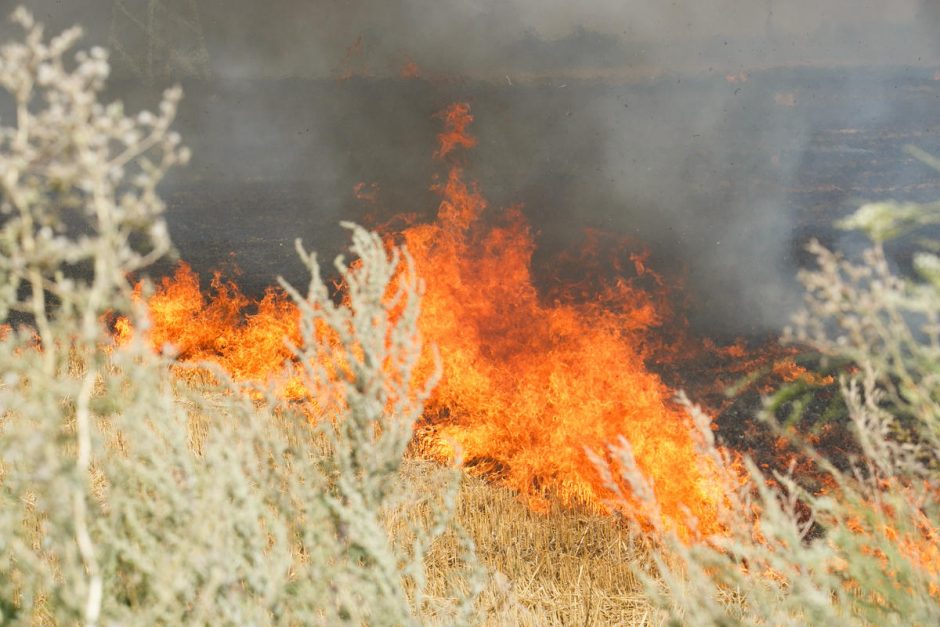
(130, 496)
(530, 382)
(536, 390)
(553, 394)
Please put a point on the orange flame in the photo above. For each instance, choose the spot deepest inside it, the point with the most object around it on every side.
(529, 385)
(531, 381)
(456, 119)
(918, 545)
(250, 340)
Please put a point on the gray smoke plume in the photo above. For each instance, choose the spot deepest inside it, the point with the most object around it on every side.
(720, 133)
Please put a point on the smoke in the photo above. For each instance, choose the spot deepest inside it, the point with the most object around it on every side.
(487, 38)
(720, 133)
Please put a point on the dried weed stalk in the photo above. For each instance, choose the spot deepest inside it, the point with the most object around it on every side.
(129, 498)
(866, 548)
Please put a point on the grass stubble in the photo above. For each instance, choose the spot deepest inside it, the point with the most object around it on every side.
(560, 567)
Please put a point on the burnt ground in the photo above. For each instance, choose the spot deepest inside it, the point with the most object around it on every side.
(723, 181)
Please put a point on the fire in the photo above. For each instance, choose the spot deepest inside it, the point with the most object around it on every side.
(918, 545)
(456, 119)
(250, 340)
(530, 383)
(532, 380)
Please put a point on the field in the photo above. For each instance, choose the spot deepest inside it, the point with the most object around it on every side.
(555, 568)
(464, 420)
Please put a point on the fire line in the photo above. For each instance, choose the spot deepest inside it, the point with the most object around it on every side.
(528, 387)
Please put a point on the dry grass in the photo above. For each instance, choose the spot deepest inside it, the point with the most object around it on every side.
(559, 568)
(556, 568)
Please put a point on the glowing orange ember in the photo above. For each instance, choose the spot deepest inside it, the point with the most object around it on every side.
(918, 544)
(410, 70)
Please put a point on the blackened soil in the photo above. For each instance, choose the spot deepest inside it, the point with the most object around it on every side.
(725, 182)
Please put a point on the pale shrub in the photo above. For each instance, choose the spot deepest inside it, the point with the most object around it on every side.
(127, 497)
(867, 549)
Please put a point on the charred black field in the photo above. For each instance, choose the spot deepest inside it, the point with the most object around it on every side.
(723, 178)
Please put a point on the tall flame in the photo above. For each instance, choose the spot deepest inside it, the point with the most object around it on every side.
(531, 381)
(530, 385)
